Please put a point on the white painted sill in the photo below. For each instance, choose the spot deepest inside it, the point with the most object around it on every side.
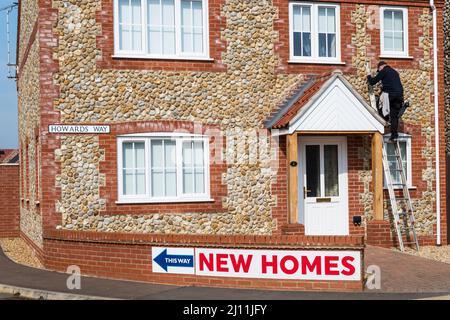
(316, 62)
(149, 201)
(128, 56)
(399, 188)
(387, 56)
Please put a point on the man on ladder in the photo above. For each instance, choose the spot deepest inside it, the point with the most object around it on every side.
(393, 106)
(392, 95)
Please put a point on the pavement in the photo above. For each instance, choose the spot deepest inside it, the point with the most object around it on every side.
(402, 277)
(6, 296)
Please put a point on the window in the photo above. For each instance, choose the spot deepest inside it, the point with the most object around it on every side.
(314, 32)
(155, 168)
(161, 28)
(405, 150)
(394, 32)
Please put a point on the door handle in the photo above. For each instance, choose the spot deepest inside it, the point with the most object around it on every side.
(305, 191)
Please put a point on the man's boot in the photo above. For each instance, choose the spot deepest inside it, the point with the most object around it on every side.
(405, 105)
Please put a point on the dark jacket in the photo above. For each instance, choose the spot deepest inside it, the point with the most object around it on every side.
(390, 80)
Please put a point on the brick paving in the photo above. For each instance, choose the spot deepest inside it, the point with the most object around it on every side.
(402, 272)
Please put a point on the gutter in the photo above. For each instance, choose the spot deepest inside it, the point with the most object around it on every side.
(436, 125)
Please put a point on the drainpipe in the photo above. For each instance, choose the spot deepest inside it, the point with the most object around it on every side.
(436, 125)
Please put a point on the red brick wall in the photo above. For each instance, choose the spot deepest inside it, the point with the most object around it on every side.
(280, 190)
(9, 201)
(441, 102)
(128, 256)
(48, 41)
(379, 234)
(355, 164)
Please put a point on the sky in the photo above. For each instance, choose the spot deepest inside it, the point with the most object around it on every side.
(8, 93)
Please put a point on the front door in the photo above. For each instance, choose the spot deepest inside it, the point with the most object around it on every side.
(323, 198)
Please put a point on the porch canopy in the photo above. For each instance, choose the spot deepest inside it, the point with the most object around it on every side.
(328, 105)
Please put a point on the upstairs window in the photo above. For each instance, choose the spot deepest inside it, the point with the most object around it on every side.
(394, 32)
(161, 28)
(314, 32)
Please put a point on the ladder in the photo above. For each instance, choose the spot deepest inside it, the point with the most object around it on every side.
(402, 209)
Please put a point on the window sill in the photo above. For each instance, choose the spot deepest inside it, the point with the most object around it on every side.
(399, 188)
(387, 56)
(147, 201)
(130, 56)
(316, 62)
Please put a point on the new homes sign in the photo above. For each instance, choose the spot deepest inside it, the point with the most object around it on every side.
(263, 264)
(78, 129)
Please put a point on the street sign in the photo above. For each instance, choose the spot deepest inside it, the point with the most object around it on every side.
(78, 129)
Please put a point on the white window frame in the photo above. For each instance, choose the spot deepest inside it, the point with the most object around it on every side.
(402, 137)
(315, 33)
(395, 54)
(143, 54)
(147, 198)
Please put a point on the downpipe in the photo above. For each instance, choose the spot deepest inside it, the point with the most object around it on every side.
(436, 125)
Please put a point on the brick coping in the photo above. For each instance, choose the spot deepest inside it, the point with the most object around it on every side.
(241, 241)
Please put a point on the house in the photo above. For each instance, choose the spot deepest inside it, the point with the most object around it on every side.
(9, 156)
(222, 125)
(9, 193)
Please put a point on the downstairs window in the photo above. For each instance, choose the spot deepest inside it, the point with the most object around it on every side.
(163, 168)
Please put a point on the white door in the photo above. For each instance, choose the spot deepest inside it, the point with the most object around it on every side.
(323, 199)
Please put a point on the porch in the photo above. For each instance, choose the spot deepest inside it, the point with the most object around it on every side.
(319, 122)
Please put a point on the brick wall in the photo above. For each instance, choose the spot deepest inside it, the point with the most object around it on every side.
(9, 200)
(128, 256)
(379, 234)
(358, 162)
(442, 137)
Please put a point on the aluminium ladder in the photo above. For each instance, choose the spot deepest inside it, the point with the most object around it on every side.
(402, 208)
(403, 214)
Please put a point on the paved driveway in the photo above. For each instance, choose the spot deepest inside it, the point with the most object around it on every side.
(401, 272)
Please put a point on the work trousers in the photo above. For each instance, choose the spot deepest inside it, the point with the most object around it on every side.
(395, 104)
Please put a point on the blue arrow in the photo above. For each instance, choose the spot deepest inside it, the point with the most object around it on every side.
(165, 260)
